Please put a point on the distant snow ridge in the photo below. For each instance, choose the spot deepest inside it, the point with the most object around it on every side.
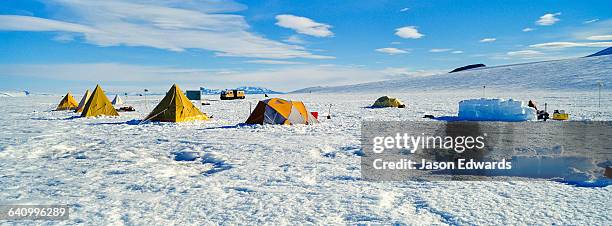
(257, 90)
(247, 90)
(571, 74)
(207, 91)
(14, 93)
(606, 51)
(467, 67)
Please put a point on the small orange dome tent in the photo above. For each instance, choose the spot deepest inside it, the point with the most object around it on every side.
(279, 111)
(67, 103)
(175, 107)
(98, 105)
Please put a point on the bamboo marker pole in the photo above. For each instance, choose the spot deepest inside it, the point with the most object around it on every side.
(599, 85)
(484, 91)
(145, 97)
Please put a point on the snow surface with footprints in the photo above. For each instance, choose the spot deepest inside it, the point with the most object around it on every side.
(110, 170)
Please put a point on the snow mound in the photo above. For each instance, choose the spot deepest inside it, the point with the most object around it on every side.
(495, 110)
(186, 156)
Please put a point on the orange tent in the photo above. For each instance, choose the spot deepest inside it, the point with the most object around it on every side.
(279, 111)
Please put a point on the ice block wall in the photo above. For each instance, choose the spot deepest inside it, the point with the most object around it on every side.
(495, 110)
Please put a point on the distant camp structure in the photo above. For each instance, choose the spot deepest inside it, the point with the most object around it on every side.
(175, 107)
(560, 115)
(194, 94)
(83, 101)
(126, 109)
(232, 94)
(98, 105)
(67, 103)
(541, 114)
(386, 101)
(468, 67)
(117, 101)
(279, 111)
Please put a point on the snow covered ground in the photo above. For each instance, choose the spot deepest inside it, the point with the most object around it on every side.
(113, 171)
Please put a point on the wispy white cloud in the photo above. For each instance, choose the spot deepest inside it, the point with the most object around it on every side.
(404, 9)
(525, 53)
(400, 72)
(439, 50)
(161, 24)
(488, 40)
(391, 51)
(408, 32)
(295, 40)
(531, 54)
(548, 19)
(304, 25)
(277, 62)
(28, 23)
(561, 45)
(528, 29)
(600, 38)
(591, 21)
(64, 37)
(457, 52)
(592, 31)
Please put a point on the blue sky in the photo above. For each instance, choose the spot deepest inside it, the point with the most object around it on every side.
(54, 45)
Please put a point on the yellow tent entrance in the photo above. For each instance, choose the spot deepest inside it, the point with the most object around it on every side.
(67, 103)
(175, 107)
(98, 105)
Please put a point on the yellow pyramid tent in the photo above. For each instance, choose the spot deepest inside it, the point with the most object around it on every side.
(175, 107)
(98, 104)
(83, 101)
(67, 103)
